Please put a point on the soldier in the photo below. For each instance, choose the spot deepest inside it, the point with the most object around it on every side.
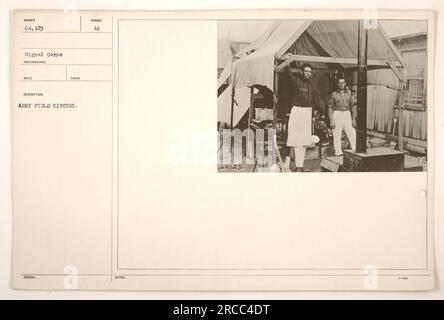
(303, 98)
(342, 114)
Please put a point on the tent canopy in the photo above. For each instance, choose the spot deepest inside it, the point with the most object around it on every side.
(321, 42)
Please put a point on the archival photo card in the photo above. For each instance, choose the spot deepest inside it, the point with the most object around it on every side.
(132, 131)
(322, 95)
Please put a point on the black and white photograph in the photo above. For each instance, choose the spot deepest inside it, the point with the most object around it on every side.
(322, 95)
(130, 132)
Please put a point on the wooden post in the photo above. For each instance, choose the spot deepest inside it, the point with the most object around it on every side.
(401, 128)
(361, 119)
(275, 88)
(251, 109)
(250, 120)
(232, 105)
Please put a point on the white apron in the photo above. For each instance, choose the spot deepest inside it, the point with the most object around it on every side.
(299, 127)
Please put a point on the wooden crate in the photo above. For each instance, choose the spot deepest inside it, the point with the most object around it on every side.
(332, 164)
(374, 160)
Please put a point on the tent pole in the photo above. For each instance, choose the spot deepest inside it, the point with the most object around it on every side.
(250, 111)
(401, 111)
(400, 117)
(232, 106)
(275, 88)
(361, 130)
(401, 128)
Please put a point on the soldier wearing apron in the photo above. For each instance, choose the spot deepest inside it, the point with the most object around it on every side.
(303, 98)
